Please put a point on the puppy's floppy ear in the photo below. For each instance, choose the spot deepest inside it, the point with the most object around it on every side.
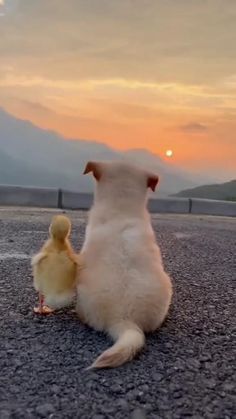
(95, 168)
(152, 182)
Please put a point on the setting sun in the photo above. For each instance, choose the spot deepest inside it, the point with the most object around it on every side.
(169, 153)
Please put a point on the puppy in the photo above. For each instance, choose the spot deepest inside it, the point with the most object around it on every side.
(123, 289)
(54, 268)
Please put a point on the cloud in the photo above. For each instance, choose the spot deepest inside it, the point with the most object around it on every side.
(32, 106)
(194, 128)
(90, 84)
(1, 8)
(230, 82)
(155, 41)
(125, 98)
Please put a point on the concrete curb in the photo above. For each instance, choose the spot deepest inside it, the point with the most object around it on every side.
(213, 207)
(28, 197)
(74, 200)
(169, 205)
(65, 199)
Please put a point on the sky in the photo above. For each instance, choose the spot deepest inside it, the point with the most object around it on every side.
(154, 74)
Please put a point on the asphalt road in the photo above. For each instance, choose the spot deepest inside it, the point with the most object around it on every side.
(188, 367)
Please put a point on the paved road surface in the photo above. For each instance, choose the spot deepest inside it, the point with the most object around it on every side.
(187, 369)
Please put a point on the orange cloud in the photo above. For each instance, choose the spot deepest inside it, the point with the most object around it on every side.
(89, 70)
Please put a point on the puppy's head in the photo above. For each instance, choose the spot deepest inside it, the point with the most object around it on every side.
(119, 181)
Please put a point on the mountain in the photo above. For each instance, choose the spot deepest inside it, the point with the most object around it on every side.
(223, 191)
(33, 156)
(14, 172)
(43, 158)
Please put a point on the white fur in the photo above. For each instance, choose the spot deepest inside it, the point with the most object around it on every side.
(123, 289)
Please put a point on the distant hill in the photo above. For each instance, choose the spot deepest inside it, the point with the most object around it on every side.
(222, 191)
(33, 156)
(14, 172)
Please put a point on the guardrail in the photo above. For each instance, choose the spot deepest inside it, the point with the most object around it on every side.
(65, 199)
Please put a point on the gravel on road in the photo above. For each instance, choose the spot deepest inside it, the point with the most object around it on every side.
(187, 369)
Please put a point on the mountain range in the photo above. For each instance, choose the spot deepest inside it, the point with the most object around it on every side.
(222, 191)
(32, 156)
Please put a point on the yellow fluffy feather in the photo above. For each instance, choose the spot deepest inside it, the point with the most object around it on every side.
(55, 268)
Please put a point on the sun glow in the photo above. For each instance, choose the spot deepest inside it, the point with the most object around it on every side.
(169, 153)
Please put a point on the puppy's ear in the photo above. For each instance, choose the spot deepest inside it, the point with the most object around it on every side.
(152, 182)
(95, 168)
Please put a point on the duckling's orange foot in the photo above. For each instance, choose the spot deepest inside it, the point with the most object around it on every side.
(43, 310)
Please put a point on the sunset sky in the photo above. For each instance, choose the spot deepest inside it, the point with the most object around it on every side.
(155, 74)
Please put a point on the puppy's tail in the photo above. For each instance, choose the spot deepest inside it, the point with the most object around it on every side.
(60, 227)
(129, 338)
